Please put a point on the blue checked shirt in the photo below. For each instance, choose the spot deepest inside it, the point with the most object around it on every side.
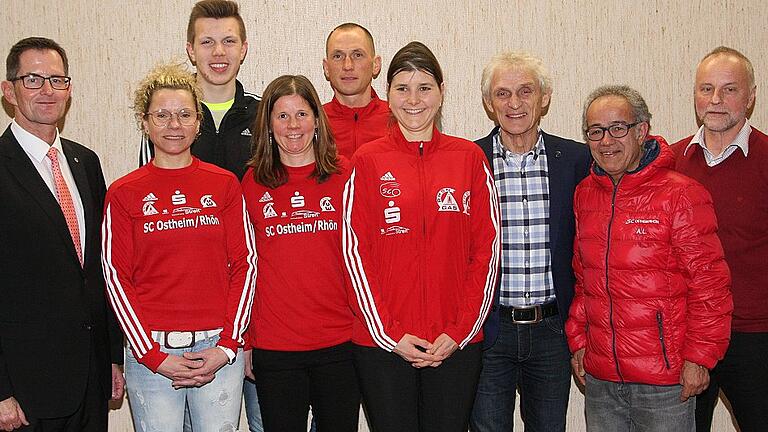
(526, 264)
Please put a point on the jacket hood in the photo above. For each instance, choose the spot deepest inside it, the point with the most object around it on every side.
(656, 155)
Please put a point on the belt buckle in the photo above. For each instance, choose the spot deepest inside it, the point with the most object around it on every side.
(537, 315)
(179, 339)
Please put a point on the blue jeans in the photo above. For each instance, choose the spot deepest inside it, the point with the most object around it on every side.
(252, 410)
(531, 358)
(157, 407)
(618, 407)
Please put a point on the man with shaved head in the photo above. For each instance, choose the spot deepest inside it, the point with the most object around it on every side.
(356, 113)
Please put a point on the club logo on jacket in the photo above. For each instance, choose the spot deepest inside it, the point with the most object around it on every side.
(465, 202)
(149, 205)
(246, 132)
(445, 200)
(392, 213)
(297, 200)
(207, 201)
(268, 211)
(178, 198)
(266, 197)
(325, 205)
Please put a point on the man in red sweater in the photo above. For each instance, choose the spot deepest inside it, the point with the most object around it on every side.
(728, 156)
(356, 113)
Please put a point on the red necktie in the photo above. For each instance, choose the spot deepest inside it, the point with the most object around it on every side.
(66, 203)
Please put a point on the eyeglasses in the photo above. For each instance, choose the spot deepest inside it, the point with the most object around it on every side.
(34, 81)
(618, 130)
(162, 118)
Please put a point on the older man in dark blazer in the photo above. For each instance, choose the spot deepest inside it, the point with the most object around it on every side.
(536, 174)
(58, 341)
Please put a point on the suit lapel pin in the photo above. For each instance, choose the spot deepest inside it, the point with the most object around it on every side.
(77, 160)
(558, 153)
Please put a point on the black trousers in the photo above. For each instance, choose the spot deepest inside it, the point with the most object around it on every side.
(288, 382)
(743, 377)
(90, 416)
(401, 398)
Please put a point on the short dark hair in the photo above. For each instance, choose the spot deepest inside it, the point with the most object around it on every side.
(351, 26)
(268, 170)
(217, 9)
(32, 43)
(415, 57)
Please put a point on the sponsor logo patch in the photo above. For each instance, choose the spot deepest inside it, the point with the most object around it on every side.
(304, 214)
(392, 213)
(149, 208)
(465, 202)
(150, 197)
(185, 210)
(325, 205)
(388, 176)
(207, 201)
(390, 189)
(297, 200)
(268, 211)
(395, 230)
(246, 132)
(178, 198)
(266, 197)
(445, 200)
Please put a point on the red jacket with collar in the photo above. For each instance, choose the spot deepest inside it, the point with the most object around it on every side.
(652, 286)
(353, 127)
(420, 259)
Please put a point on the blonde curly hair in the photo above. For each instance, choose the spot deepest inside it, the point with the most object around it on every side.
(172, 76)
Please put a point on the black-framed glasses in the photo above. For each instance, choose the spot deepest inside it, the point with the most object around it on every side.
(161, 118)
(35, 81)
(618, 130)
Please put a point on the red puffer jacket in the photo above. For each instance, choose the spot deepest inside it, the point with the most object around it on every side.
(652, 286)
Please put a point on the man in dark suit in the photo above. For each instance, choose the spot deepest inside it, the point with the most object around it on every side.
(59, 344)
(536, 174)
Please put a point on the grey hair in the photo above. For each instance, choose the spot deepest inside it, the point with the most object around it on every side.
(515, 60)
(727, 51)
(632, 96)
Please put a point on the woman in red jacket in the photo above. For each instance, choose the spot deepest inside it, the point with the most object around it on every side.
(421, 247)
(302, 324)
(179, 262)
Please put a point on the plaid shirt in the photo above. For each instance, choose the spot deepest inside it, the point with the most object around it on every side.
(526, 263)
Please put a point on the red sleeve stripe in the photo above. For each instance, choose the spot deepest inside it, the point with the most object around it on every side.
(354, 264)
(138, 338)
(493, 264)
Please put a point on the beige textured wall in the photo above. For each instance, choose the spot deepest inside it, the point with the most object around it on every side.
(651, 45)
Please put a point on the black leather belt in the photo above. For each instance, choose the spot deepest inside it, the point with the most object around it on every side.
(528, 314)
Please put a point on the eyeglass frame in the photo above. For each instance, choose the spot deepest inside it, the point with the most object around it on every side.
(23, 79)
(608, 129)
(151, 115)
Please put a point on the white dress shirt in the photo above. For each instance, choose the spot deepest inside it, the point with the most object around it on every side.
(37, 151)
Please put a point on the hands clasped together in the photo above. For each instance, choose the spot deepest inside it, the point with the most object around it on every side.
(422, 353)
(193, 369)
